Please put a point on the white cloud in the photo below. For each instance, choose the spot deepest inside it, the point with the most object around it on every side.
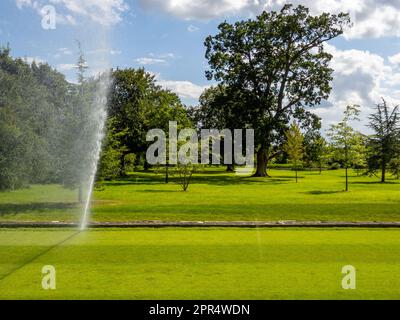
(372, 18)
(30, 60)
(115, 52)
(168, 55)
(66, 19)
(26, 3)
(193, 28)
(63, 52)
(153, 59)
(104, 51)
(104, 12)
(65, 67)
(184, 89)
(395, 60)
(362, 78)
(146, 61)
(201, 9)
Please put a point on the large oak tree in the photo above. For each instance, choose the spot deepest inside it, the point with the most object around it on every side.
(278, 67)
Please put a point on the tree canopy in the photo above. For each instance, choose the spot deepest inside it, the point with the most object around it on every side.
(384, 144)
(277, 66)
(294, 146)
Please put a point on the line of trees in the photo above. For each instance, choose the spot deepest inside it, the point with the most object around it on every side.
(35, 100)
(270, 72)
(46, 122)
(375, 154)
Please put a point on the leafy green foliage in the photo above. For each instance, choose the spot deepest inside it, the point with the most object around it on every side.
(277, 67)
(32, 100)
(317, 151)
(294, 146)
(347, 144)
(112, 154)
(138, 105)
(184, 174)
(384, 144)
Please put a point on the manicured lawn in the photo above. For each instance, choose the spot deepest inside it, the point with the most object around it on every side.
(216, 195)
(201, 264)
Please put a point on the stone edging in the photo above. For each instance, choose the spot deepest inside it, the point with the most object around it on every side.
(206, 224)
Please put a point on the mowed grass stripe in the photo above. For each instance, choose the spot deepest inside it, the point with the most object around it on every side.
(26, 259)
(212, 264)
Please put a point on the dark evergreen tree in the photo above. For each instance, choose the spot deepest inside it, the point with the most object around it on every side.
(384, 144)
(278, 66)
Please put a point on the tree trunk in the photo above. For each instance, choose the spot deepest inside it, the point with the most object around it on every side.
(230, 168)
(122, 168)
(166, 173)
(262, 161)
(295, 168)
(146, 165)
(347, 179)
(383, 179)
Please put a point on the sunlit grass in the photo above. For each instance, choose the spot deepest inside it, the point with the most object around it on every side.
(201, 264)
(216, 196)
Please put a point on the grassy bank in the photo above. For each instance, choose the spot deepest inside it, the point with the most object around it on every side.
(216, 196)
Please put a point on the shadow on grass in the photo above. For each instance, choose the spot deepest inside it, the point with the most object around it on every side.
(319, 192)
(157, 191)
(134, 181)
(18, 208)
(374, 182)
(233, 179)
(221, 179)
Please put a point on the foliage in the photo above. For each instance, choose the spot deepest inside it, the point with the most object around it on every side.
(394, 167)
(214, 195)
(130, 163)
(294, 145)
(276, 66)
(184, 174)
(334, 166)
(347, 143)
(384, 144)
(32, 101)
(112, 153)
(317, 152)
(138, 105)
(218, 109)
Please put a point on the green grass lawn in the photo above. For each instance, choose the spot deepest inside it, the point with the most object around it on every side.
(216, 196)
(201, 263)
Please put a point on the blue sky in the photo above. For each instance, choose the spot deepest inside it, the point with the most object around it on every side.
(166, 37)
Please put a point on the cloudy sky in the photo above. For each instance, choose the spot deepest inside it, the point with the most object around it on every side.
(166, 37)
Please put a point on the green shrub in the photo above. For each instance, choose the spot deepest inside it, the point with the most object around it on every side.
(335, 166)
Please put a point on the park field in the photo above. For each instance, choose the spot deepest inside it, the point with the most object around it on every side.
(215, 195)
(200, 263)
